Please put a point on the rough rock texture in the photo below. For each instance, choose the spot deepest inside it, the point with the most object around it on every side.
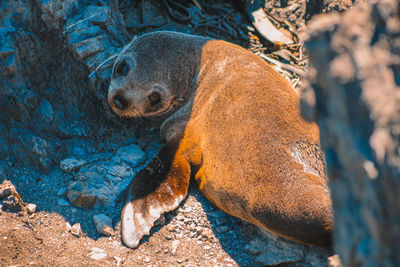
(356, 101)
(55, 58)
(47, 51)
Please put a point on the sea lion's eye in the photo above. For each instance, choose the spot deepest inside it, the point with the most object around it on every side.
(155, 98)
(122, 68)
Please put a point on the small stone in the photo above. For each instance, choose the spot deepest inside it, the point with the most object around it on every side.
(79, 151)
(180, 217)
(160, 221)
(217, 214)
(147, 260)
(131, 154)
(63, 202)
(174, 246)
(68, 226)
(199, 230)
(207, 247)
(187, 220)
(187, 210)
(31, 208)
(171, 227)
(118, 260)
(222, 229)
(168, 236)
(179, 260)
(76, 229)
(61, 192)
(11, 203)
(334, 261)
(71, 165)
(6, 189)
(97, 254)
(103, 224)
(207, 234)
(221, 221)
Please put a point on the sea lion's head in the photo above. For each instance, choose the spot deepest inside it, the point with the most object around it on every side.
(152, 74)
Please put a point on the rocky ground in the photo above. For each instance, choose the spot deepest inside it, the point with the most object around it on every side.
(67, 153)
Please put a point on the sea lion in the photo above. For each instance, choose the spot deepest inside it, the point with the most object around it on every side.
(230, 121)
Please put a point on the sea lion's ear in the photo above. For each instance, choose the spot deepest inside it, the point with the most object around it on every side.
(158, 188)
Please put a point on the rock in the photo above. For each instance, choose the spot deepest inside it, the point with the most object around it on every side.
(71, 165)
(206, 247)
(76, 229)
(174, 246)
(79, 151)
(355, 99)
(103, 224)
(217, 214)
(68, 226)
(63, 202)
(222, 229)
(221, 221)
(46, 110)
(6, 189)
(97, 254)
(160, 221)
(99, 183)
(61, 192)
(131, 154)
(334, 261)
(171, 227)
(11, 203)
(31, 208)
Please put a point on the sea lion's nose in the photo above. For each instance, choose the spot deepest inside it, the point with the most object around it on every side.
(119, 101)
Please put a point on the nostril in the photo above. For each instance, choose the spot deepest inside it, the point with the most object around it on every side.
(154, 98)
(120, 102)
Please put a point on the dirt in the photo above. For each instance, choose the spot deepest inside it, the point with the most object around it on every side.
(189, 236)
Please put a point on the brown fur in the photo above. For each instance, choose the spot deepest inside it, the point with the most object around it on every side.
(235, 126)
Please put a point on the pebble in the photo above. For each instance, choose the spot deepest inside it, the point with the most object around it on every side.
(76, 229)
(207, 247)
(103, 224)
(199, 230)
(118, 260)
(68, 226)
(160, 221)
(31, 208)
(71, 164)
(222, 229)
(217, 214)
(63, 202)
(187, 210)
(207, 234)
(147, 259)
(169, 236)
(179, 260)
(180, 217)
(174, 246)
(61, 192)
(221, 220)
(171, 227)
(97, 254)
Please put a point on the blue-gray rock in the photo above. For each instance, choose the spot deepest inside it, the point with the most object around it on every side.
(46, 110)
(103, 224)
(131, 154)
(71, 165)
(99, 184)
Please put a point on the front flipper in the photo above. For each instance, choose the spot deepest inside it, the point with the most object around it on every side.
(160, 187)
